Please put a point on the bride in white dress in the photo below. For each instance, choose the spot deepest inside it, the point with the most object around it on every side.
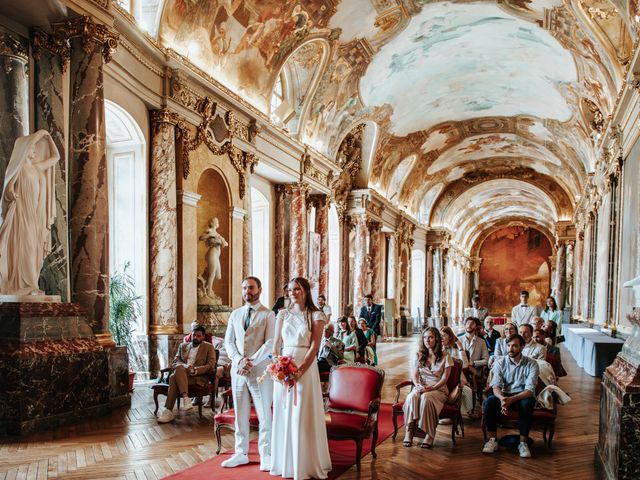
(299, 447)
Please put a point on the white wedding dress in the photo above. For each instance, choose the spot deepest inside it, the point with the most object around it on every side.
(299, 447)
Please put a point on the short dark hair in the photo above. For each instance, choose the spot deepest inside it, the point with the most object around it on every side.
(476, 298)
(255, 279)
(321, 297)
(524, 292)
(199, 328)
(515, 336)
(473, 319)
(542, 332)
(529, 326)
(368, 295)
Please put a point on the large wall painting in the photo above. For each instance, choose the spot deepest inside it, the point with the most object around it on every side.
(514, 259)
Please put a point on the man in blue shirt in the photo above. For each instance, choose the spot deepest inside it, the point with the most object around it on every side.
(514, 380)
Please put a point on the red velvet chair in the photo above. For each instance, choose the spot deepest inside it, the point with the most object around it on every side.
(226, 418)
(353, 403)
(451, 409)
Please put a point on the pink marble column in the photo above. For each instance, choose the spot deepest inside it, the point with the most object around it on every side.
(298, 255)
(360, 262)
(376, 255)
(163, 225)
(560, 280)
(87, 175)
(577, 280)
(322, 228)
(247, 250)
(345, 271)
(280, 245)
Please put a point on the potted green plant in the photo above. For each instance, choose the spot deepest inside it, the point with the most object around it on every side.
(124, 309)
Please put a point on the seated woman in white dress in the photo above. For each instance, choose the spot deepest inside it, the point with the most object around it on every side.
(349, 339)
(430, 374)
(299, 446)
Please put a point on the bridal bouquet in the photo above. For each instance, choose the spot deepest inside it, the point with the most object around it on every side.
(283, 369)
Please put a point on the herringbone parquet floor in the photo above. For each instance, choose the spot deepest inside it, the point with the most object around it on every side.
(129, 443)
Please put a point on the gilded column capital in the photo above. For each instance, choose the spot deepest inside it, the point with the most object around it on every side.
(92, 34)
(164, 115)
(12, 49)
(319, 200)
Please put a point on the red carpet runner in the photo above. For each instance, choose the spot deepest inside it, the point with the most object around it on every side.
(343, 457)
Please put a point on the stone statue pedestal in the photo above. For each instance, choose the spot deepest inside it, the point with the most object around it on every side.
(618, 449)
(52, 369)
(214, 318)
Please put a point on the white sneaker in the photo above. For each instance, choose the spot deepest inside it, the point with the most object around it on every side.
(166, 416)
(236, 460)
(523, 450)
(265, 463)
(186, 404)
(491, 446)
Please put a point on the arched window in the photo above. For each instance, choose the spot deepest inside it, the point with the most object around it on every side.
(277, 97)
(128, 235)
(334, 262)
(260, 244)
(418, 266)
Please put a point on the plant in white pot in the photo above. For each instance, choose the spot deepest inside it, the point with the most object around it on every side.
(124, 310)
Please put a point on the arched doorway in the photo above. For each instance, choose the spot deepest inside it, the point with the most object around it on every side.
(128, 231)
(513, 259)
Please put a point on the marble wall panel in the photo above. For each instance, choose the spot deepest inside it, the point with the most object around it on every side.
(322, 228)
(298, 259)
(376, 259)
(360, 262)
(281, 267)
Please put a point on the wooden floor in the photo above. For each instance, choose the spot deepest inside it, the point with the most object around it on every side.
(130, 444)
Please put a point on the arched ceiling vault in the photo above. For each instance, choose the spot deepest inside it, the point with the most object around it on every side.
(468, 88)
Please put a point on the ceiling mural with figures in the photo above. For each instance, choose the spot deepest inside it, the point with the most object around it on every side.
(471, 92)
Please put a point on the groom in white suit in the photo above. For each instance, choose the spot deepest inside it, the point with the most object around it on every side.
(248, 341)
(523, 313)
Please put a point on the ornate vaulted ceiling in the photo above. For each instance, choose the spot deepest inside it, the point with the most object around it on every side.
(485, 112)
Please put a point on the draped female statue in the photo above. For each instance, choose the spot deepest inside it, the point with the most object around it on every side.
(215, 242)
(27, 211)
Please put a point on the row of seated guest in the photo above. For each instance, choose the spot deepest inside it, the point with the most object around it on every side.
(359, 341)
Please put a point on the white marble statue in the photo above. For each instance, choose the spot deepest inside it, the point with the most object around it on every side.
(215, 242)
(27, 211)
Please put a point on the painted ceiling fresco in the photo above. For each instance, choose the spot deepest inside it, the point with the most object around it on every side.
(472, 92)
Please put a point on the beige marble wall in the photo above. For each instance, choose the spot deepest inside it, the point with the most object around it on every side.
(188, 247)
(236, 262)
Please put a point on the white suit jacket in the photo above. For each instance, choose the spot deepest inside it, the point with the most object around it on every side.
(520, 315)
(256, 343)
(477, 348)
(479, 313)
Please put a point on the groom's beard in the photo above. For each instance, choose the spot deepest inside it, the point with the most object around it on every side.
(251, 298)
(195, 342)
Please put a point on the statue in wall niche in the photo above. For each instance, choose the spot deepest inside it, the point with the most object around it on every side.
(213, 272)
(27, 212)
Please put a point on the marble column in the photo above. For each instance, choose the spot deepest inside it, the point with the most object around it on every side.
(392, 262)
(238, 219)
(50, 116)
(345, 270)
(280, 247)
(577, 275)
(298, 257)
(560, 279)
(376, 255)
(437, 285)
(569, 276)
(360, 262)
(14, 96)
(163, 229)
(322, 228)
(247, 247)
(87, 176)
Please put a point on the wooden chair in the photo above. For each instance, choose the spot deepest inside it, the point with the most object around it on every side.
(226, 418)
(451, 409)
(353, 403)
(161, 387)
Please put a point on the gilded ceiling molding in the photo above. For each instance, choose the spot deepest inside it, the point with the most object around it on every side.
(404, 232)
(349, 159)
(42, 41)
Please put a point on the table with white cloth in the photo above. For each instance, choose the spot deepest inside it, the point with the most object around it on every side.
(592, 350)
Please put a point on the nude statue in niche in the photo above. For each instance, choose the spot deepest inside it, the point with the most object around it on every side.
(213, 272)
(27, 212)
